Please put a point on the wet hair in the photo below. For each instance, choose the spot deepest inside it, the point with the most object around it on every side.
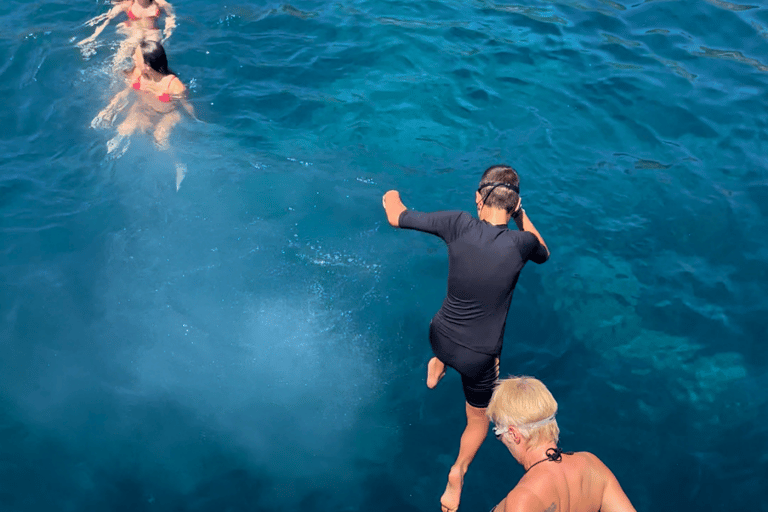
(154, 55)
(527, 404)
(500, 187)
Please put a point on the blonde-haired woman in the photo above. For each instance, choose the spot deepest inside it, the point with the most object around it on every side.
(523, 412)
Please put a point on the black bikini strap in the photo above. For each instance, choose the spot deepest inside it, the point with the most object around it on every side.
(552, 455)
(556, 454)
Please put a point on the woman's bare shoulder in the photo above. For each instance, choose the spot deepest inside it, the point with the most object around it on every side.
(175, 87)
(595, 466)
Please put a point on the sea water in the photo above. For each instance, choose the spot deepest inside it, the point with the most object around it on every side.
(258, 339)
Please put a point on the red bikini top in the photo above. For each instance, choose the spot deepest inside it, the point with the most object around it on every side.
(165, 97)
(133, 17)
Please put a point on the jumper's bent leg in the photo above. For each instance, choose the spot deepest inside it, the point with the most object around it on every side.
(435, 372)
(473, 436)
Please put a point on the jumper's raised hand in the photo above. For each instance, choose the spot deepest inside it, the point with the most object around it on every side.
(393, 206)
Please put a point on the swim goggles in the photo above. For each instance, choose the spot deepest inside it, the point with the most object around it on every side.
(499, 431)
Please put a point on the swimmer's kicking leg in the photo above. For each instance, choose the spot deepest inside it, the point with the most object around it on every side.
(163, 129)
(135, 120)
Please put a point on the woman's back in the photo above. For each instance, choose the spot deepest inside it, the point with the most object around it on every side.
(580, 482)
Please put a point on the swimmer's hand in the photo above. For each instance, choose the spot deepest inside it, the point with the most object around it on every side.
(98, 19)
(107, 115)
(86, 41)
(170, 20)
(103, 119)
(87, 47)
(189, 108)
(393, 206)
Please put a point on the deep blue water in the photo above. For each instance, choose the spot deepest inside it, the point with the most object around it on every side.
(258, 339)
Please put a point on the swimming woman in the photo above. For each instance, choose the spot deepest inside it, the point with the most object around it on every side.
(140, 25)
(158, 91)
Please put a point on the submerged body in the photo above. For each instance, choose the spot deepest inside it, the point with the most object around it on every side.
(142, 18)
(155, 106)
(141, 25)
(157, 93)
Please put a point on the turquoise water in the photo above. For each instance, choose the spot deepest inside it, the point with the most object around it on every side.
(258, 339)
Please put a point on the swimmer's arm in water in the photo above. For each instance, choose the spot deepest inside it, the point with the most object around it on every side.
(108, 113)
(393, 206)
(117, 103)
(178, 91)
(189, 108)
(113, 12)
(170, 19)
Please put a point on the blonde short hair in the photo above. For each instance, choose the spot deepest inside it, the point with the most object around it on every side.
(526, 404)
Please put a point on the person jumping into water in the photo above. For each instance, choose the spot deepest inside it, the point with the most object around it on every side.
(523, 412)
(485, 259)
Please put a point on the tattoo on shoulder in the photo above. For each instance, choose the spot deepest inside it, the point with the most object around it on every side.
(551, 508)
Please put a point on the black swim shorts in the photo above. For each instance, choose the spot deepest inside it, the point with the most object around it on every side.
(479, 372)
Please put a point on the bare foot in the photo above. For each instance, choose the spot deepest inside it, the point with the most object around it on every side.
(435, 372)
(452, 495)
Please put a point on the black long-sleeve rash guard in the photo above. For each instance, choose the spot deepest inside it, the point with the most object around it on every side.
(484, 263)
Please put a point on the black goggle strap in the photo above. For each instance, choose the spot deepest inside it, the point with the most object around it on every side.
(496, 184)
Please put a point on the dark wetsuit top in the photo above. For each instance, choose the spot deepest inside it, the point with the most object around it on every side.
(484, 264)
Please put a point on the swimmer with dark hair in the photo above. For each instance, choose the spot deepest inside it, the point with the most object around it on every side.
(158, 92)
(485, 259)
